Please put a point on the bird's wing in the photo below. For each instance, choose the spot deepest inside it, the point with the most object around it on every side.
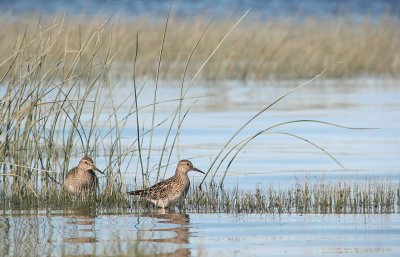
(158, 190)
(72, 173)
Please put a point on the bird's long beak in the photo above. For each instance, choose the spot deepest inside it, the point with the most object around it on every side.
(196, 169)
(95, 168)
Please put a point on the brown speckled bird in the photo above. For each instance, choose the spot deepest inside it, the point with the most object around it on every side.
(82, 179)
(168, 192)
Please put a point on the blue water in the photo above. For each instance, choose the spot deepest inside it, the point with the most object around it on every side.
(218, 9)
(275, 158)
(188, 234)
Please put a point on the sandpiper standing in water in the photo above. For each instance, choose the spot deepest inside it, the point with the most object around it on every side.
(82, 179)
(168, 192)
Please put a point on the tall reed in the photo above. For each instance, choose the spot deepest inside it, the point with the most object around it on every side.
(47, 88)
(51, 86)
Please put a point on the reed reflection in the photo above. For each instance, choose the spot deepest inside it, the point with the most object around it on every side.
(22, 233)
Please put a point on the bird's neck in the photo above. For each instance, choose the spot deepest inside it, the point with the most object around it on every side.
(183, 180)
(181, 175)
(82, 170)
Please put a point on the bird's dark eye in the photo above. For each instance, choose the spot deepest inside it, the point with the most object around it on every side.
(187, 164)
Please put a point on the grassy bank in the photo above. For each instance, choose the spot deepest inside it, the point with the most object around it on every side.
(255, 50)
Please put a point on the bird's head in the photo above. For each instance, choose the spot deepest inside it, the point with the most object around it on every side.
(87, 163)
(186, 166)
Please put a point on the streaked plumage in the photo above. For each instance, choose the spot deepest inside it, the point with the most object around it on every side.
(82, 179)
(168, 192)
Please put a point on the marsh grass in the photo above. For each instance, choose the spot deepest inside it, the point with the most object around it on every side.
(256, 50)
(45, 92)
(305, 196)
(339, 197)
(56, 75)
(38, 111)
(43, 102)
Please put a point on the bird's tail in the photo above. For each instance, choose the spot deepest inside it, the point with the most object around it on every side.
(137, 192)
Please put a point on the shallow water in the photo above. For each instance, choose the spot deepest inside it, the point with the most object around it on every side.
(277, 158)
(178, 234)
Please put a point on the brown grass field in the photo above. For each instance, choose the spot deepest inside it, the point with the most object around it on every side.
(255, 50)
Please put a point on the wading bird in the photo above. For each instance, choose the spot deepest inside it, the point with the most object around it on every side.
(168, 192)
(82, 179)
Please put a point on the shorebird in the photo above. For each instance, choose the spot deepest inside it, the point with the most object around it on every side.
(168, 192)
(82, 178)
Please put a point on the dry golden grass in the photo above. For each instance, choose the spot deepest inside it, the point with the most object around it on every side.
(255, 50)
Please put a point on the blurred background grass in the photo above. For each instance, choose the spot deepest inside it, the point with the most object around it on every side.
(257, 49)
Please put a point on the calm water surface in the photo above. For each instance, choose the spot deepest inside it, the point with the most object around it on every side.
(277, 158)
(179, 234)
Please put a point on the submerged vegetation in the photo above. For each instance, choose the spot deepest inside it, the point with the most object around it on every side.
(57, 89)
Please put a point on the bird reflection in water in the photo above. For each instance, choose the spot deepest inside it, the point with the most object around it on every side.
(179, 231)
(81, 227)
